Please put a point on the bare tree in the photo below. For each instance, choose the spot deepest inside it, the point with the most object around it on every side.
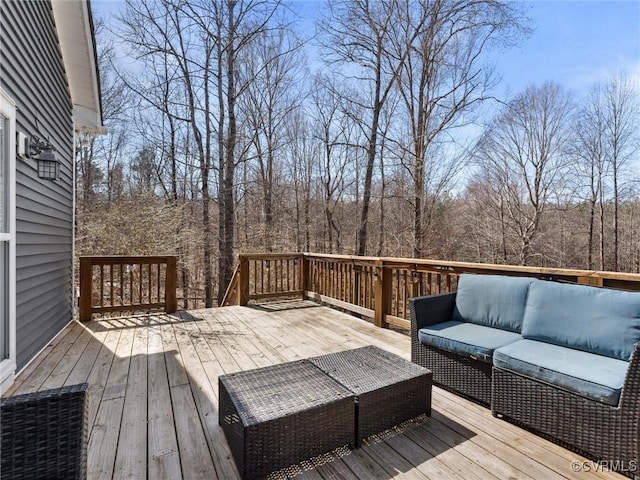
(98, 166)
(590, 154)
(304, 151)
(356, 34)
(230, 26)
(441, 80)
(199, 45)
(273, 71)
(523, 154)
(175, 47)
(333, 130)
(621, 110)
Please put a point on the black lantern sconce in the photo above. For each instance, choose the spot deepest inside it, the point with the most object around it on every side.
(48, 165)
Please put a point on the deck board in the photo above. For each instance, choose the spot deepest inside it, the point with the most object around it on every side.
(154, 410)
(163, 456)
(131, 454)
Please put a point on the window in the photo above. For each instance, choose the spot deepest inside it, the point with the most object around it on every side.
(4, 241)
(7, 241)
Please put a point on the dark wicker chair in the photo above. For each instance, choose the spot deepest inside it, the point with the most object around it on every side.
(44, 434)
(465, 376)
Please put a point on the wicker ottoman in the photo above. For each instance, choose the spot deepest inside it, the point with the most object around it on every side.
(389, 390)
(277, 416)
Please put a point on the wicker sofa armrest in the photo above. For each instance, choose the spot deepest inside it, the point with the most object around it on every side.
(44, 434)
(429, 310)
(630, 397)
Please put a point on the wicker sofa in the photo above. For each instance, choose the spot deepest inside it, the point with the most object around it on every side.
(562, 360)
(44, 434)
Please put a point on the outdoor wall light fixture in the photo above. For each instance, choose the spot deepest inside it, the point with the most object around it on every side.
(48, 165)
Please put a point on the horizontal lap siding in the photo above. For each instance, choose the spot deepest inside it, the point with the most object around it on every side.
(31, 73)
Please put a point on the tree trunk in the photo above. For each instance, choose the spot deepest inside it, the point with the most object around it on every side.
(225, 262)
(616, 217)
(371, 157)
(602, 236)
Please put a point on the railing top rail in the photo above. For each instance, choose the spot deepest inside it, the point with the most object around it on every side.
(117, 259)
(270, 256)
(416, 263)
(354, 258)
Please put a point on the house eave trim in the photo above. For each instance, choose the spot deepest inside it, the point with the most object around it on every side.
(74, 25)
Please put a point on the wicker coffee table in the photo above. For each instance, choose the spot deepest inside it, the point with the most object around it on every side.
(278, 416)
(389, 389)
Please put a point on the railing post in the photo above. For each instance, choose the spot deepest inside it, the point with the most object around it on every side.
(86, 289)
(304, 274)
(416, 282)
(171, 284)
(383, 295)
(243, 280)
(356, 286)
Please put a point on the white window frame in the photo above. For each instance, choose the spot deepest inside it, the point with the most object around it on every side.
(8, 366)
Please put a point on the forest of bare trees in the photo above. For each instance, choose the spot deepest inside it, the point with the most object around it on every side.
(236, 126)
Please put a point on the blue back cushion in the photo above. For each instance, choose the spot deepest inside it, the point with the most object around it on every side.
(596, 320)
(492, 300)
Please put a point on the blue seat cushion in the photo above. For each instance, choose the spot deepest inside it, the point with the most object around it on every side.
(587, 374)
(467, 339)
(596, 320)
(492, 300)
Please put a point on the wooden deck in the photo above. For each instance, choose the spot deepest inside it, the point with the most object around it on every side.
(153, 399)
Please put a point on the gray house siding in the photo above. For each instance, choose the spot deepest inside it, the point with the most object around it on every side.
(31, 72)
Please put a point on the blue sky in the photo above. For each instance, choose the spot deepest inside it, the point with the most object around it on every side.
(575, 43)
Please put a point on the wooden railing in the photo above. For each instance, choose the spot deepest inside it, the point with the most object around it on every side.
(126, 284)
(378, 288)
(259, 277)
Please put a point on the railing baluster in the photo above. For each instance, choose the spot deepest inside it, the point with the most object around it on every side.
(367, 288)
(140, 277)
(332, 282)
(111, 285)
(149, 282)
(364, 289)
(325, 279)
(121, 288)
(255, 276)
(287, 272)
(101, 285)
